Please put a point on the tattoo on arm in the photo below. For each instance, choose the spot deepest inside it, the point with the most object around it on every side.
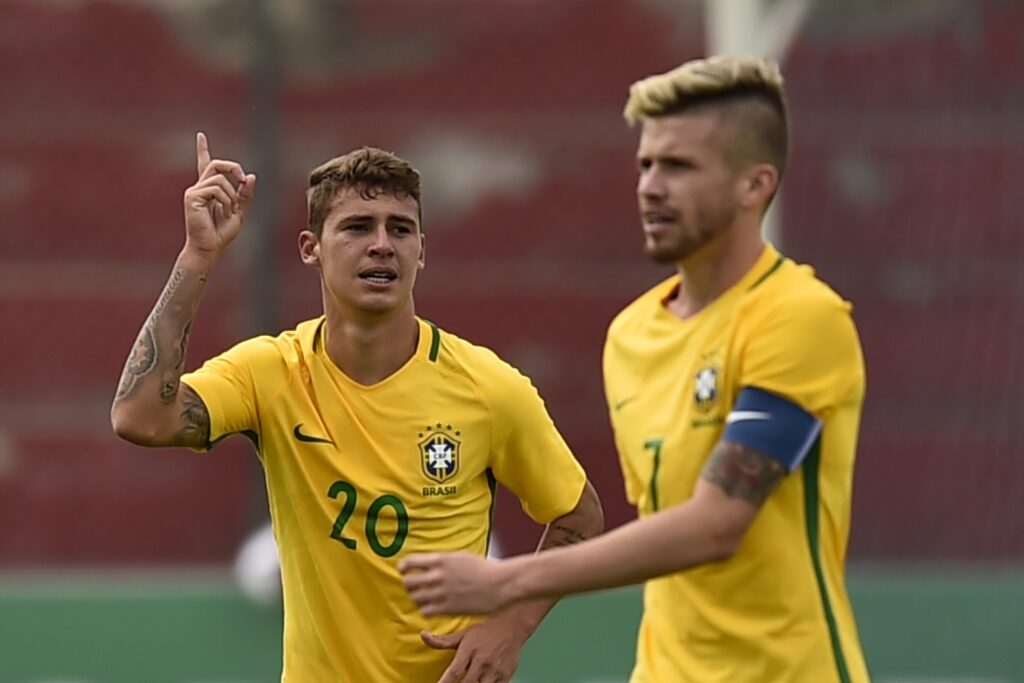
(159, 351)
(743, 472)
(195, 420)
(560, 535)
(171, 378)
(141, 361)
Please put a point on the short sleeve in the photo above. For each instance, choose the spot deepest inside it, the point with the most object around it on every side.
(529, 456)
(226, 385)
(806, 350)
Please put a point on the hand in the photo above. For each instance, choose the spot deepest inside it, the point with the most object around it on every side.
(216, 205)
(486, 653)
(454, 583)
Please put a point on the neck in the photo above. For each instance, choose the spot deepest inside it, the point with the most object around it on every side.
(714, 268)
(369, 349)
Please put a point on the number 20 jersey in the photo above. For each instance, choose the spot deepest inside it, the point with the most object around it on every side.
(359, 476)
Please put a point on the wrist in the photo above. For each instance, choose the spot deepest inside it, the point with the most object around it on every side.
(196, 259)
(523, 614)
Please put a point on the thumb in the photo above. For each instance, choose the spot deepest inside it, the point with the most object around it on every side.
(247, 189)
(448, 641)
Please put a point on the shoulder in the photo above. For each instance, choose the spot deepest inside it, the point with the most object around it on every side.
(798, 339)
(495, 381)
(474, 362)
(265, 353)
(795, 294)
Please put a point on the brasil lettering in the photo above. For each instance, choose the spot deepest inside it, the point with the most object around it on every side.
(439, 490)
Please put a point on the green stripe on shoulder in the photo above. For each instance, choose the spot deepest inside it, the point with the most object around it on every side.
(253, 437)
(768, 273)
(435, 341)
(811, 469)
(317, 332)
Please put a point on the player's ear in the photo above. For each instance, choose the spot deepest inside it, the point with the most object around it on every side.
(423, 252)
(757, 186)
(309, 248)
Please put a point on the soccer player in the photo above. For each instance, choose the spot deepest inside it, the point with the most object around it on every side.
(735, 390)
(380, 434)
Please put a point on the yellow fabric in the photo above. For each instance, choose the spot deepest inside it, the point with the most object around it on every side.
(336, 506)
(761, 616)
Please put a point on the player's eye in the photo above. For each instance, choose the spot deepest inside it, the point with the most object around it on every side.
(679, 164)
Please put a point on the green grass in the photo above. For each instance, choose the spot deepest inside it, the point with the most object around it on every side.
(916, 625)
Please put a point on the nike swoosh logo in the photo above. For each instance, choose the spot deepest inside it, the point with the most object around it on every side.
(307, 438)
(623, 402)
(740, 415)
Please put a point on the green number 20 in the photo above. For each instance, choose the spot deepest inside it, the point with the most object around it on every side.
(372, 515)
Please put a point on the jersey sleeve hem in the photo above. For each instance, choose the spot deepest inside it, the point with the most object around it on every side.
(214, 409)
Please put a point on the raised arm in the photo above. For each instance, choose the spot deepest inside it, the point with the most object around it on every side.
(151, 407)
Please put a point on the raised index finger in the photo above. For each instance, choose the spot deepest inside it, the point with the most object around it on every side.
(202, 152)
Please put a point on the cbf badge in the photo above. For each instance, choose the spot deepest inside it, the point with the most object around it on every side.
(439, 452)
(705, 390)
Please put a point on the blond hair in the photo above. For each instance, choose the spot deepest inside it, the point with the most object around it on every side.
(368, 170)
(749, 91)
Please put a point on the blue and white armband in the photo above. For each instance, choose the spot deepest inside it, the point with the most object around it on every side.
(772, 425)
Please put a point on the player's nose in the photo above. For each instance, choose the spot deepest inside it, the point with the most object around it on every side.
(380, 243)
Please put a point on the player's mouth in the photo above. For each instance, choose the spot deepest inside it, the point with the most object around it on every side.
(380, 276)
(656, 221)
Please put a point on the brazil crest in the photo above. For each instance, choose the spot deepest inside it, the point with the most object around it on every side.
(439, 453)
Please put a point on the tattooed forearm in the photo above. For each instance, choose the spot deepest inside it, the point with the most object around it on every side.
(172, 286)
(195, 420)
(742, 472)
(141, 361)
(171, 378)
(158, 357)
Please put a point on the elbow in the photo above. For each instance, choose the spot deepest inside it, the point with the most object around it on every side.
(722, 551)
(724, 544)
(129, 429)
(125, 429)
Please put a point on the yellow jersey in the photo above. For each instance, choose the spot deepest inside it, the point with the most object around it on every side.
(358, 476)
(777, 611)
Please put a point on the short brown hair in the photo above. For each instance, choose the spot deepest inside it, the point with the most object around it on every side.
(369, 170)
(749, 92)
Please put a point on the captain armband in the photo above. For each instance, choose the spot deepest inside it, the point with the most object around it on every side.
(772, 425)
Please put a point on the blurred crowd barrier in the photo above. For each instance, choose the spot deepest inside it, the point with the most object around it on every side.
(907, 145)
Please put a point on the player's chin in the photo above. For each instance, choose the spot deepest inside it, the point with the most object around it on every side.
(379, 302)
(661, 253)
(670, 251)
